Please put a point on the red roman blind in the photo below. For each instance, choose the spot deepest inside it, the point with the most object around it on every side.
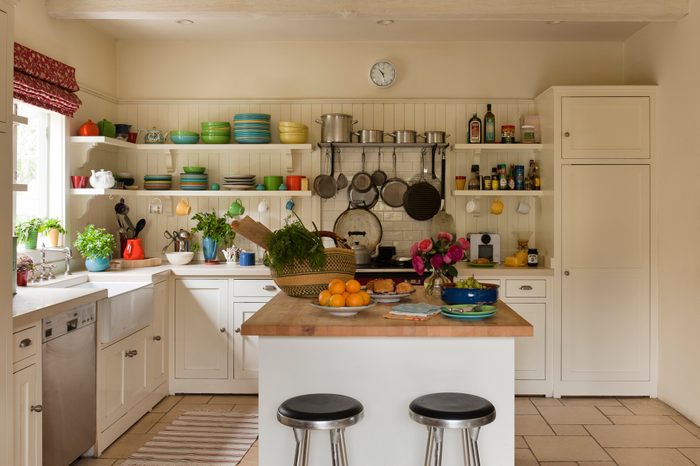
(42, 81)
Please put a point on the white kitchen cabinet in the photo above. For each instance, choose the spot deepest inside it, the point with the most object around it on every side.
(605, 291)
(202, 329)
(157, 338)
(605, 127)
(27, 416)
(245, 347)
(5, 52)
(530, 352)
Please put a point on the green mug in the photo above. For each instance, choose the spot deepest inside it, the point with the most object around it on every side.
(236, 208)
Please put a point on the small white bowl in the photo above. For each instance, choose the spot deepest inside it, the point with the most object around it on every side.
(179, 258)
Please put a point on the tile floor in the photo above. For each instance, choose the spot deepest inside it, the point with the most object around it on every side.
(548, 431)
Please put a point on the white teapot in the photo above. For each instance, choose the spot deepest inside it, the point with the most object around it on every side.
(102, 179)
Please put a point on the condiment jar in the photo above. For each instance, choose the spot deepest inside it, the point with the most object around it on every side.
(507, 134)
(532, 257)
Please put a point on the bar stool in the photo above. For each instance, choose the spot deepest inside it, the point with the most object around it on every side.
(320, 411)
(439, 411)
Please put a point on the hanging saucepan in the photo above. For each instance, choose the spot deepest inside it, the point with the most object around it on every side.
(355, 219)
(422, 200)
(403, 136)
(434, 137)
(394, 188)
(379, 176)
(325, 185)
(366, 200)
(366, 136)
(362, 181)
(336, 127)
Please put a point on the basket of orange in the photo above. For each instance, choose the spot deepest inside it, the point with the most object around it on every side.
(344, 298)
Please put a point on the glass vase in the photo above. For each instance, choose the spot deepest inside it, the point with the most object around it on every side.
(435, 283)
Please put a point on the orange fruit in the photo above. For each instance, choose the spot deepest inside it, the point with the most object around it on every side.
(354, 300)
(336, 286)
(366, 299)
(345, 294)
(324, 297)
(353, 286)
(337, 300)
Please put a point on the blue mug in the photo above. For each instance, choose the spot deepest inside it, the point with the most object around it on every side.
(247, 258)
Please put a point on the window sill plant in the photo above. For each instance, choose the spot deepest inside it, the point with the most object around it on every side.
(25, 264)
(28, 231)
(96, 246)
(51, 228)
(215, 232)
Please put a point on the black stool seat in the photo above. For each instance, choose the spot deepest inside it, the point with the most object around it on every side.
(320, 407)
(452, 406)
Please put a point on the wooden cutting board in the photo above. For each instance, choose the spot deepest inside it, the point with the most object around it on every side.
(135, 264)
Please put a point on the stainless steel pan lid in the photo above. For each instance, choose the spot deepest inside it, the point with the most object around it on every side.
(359, 219)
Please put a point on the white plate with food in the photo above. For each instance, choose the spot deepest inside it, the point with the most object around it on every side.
(392, 297)
(343, 311)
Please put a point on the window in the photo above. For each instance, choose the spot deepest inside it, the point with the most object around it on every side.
(40, 164)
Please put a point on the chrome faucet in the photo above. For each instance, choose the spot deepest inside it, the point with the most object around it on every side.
(67, 256)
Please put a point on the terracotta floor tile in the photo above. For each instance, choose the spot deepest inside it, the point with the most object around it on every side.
(94, 462)
(196, 399)
(692, 453)
(146, 423)
(542, 401)
(524, 457)
(643, 436)
(572, 429)
(687, 424)
(648, 407)
(655, 420)
(590, 401)
(524, 406)
(520, 442)
(531, 424)
(573, 415)
(572, 448)
(648, 457)
(126, 445)
(166, 404)
(615, 411)
(234, 399)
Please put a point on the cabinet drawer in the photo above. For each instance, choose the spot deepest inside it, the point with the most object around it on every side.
(526, 288)
(264, 288)
(26, 343)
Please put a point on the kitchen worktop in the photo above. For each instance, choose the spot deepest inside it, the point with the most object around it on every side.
(33, 304)
(287, 316)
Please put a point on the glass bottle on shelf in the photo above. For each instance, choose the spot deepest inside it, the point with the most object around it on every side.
(486, 182)
(537, 181)
(474, 132)
(494, 179)
(502, 178)
(511, 178)
(474, 182)
(489, 126)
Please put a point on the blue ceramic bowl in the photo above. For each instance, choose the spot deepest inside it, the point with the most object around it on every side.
(184, 139)
(486, 295)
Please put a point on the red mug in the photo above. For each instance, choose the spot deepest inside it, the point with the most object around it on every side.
(134, 250)
(294, 182)
(77, 182)
(131, 137)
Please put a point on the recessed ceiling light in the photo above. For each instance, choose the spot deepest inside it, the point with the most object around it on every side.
(385, 22)
(185, 22)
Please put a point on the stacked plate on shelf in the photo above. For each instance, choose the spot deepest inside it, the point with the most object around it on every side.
(239, 182)
(157, 182)
(251, 128)
(194, 181)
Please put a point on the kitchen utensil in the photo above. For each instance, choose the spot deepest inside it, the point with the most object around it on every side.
(486, 295)
(362, 254)
(496, 207)
(460, 182)
(442, 222)
(121, 208)
(356, 218)
(394, 188)
(102, 179)
(154, 136)
(473, 207)
(325, 185)
(247, 259)
(336, 127)
(183, 208)
(140, 225)
(366, 200)
(236, 208)
(89, 128)
(134, 249)
(385, 253)
(122, 131)
(263, 206)
(403, 136)
(106, 128)
(343, 311)
(523, 208)
(132, 136)
(294, 182)
(421, 200)
(434, 137)
(379, 176)
(366, 136)
(362, 181)
(179, 258)
(155, 206)
(342, 181)
(433, 179)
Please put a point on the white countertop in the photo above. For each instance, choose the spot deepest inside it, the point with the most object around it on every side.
(33, 304)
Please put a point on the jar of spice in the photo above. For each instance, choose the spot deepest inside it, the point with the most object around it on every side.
(527, 134)
(507, 134)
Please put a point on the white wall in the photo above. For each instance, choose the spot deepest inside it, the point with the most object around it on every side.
(666, 54)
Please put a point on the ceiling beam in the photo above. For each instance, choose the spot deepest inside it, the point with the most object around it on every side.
(477, 10)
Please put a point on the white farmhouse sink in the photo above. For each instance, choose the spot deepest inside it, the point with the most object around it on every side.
(127, 308)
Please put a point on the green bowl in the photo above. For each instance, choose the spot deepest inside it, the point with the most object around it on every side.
(216, 132)
(215, 124)
(195, 170)
(216, 139)
(177, 132)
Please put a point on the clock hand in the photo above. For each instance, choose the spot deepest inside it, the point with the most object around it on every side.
(380, 70)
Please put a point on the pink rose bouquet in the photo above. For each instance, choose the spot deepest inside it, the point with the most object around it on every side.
(438, 254)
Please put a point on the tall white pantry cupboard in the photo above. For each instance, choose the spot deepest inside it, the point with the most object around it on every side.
(599, 150)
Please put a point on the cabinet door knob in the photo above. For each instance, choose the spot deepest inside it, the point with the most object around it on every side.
(526, 288)
(222, 330)
(156, 338)
(567, 273)
(26, 342)
(238, 330)
(567, 134)
(131, 353)
(36, 408)
(270, 288)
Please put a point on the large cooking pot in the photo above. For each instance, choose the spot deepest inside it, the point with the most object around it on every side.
(403, 136)
(365, 136)
(434, 137)
(336, 127)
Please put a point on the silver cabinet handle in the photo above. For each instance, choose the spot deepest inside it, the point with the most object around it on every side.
(567, 273)
(222, 330)
(238, 330)
(26, 342)
(526, 288)
(156, 338)
(36, 408)
(567, 134)
(270, 288)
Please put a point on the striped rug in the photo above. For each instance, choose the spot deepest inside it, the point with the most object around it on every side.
(200, 438)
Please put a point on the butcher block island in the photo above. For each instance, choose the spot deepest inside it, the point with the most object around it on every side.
(385, 364)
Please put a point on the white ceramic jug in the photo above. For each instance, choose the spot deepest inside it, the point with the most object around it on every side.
(102, 179)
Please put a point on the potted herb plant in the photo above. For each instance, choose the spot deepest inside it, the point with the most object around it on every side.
(51, 227)
(25, 264)
(96, 246)
(215, 232)
(28, 231)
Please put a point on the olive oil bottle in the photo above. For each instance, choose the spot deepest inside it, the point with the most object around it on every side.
(489, 126)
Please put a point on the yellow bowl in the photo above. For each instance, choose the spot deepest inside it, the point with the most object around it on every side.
(290, 125)
(293, 138)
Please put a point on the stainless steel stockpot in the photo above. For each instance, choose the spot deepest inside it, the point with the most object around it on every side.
(365, 136)
(336, 127)
(404, 136)
(434, 137)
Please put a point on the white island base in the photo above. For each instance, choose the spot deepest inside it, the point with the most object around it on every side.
(385, 374)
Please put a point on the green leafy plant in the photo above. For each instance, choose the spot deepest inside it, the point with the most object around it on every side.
(294, 242)
(94, 243)
(24, 229)
(51, 224)
(212, 226)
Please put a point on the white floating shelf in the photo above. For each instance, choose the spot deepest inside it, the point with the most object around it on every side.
(19, 120)
(183, 193)
(19, 187)
(487, 193)
(118, 143)
(498, 147)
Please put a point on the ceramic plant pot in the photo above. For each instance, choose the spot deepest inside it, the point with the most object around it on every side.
(22, 278)
(31, 240)
(209, 249)
(52, 237)
(97, 265)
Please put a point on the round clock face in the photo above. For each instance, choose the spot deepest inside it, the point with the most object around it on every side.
(382, 73)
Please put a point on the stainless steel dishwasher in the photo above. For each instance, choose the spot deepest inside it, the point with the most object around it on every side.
(68, 385)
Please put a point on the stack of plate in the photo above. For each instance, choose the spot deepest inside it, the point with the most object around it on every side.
(216, 132)
(157, 182)
(251, 128)
(293, 133)
(241, 182)
(194, 181)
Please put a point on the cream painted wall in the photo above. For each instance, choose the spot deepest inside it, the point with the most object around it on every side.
(227, 70)
(663, 54)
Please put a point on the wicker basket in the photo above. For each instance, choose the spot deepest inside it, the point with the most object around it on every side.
(300, 280)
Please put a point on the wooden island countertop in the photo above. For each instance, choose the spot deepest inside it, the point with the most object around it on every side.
(285, 316)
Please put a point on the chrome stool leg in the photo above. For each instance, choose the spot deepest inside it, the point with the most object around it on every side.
(429, 447)
(474, 437)
(466, 447)
(299, 437)
(343, 450)
(438, 446)
(335, 449)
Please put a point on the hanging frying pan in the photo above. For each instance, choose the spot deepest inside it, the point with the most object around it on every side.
(394, 188)
(325, 184)
(359, 219)
(422, 200)
(366, 200)
(362, 181)
(379, 176)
